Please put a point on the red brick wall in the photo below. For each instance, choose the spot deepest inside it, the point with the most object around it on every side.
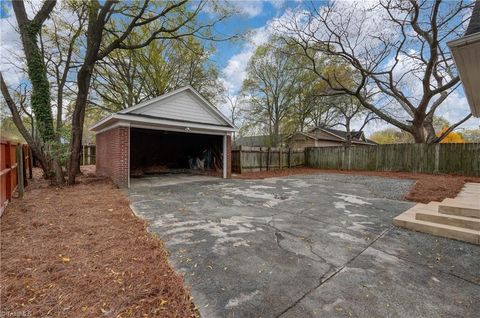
(229, 157)
(112, 155)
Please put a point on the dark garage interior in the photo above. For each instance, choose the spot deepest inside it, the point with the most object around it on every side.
(159, 151)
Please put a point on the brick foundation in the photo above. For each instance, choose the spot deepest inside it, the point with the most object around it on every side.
(112, 155)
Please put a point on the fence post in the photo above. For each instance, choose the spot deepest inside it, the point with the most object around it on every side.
(20, 184)
(30, 162)
(24, 165)
(280, 157)
(261, 158)
(289, 157)
(349, 157)
(268, 158)
(240, 159)
(437, 158)
(8, 175)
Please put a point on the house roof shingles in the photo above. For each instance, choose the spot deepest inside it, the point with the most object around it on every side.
(337, 135)
(256, 141)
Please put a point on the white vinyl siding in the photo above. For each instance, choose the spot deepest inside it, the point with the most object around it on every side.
(182, 106)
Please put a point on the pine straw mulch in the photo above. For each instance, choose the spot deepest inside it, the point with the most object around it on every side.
(80, 252)
(427, 187)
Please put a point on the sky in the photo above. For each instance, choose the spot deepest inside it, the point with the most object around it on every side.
(254, 20)
(258, 17)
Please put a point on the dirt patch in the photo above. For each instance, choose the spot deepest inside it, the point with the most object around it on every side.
(80, 252)
(427, 188)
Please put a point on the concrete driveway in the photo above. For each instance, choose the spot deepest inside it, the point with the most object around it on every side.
(308, 246)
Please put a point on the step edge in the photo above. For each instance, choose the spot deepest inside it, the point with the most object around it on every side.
(469, 224)
(440, 225)
(451, 216)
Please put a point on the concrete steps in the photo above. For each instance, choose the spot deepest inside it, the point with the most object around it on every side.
(457, 218)
(459, 221)
(461, 206)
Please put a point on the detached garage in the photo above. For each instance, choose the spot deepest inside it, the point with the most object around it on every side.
(176, 132)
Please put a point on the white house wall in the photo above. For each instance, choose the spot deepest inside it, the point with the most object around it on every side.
(183, 106)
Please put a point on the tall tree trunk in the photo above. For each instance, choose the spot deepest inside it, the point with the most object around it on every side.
(98, 16)
(59, 113)
(276, 133)
(29, 138)
(348, 139)
(270, 131)
(37, 72)
(83, 81)
(84, 76)
(429, 130)
(419, 132)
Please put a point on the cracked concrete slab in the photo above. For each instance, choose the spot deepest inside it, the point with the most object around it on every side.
(377, 284)
(449, 256)
(306, 246)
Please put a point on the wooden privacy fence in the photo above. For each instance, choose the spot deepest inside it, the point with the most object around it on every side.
(462, 159)
(88, 155)
(15, 162)
(265, 158)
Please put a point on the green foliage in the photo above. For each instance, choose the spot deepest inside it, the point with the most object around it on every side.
(40, 97)
(92, 116)
(9, 131)
(270, 86)
(285, 95)
(391, 136)
(129, 77)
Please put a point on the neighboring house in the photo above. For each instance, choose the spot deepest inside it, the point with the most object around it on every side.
(325, 137)
(257, 141)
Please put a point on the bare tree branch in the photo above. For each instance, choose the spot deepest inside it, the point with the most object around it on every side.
(451, 128)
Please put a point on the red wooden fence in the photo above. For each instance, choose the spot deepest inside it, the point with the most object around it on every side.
(9, 170)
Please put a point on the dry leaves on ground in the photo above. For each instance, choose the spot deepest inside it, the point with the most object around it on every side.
(80, 252)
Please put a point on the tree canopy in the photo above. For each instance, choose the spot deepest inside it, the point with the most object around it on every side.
(282, 94)
(402, 71)
(81, 55)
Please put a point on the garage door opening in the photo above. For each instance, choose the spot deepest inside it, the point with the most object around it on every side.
(177, 132)
(157, 152)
